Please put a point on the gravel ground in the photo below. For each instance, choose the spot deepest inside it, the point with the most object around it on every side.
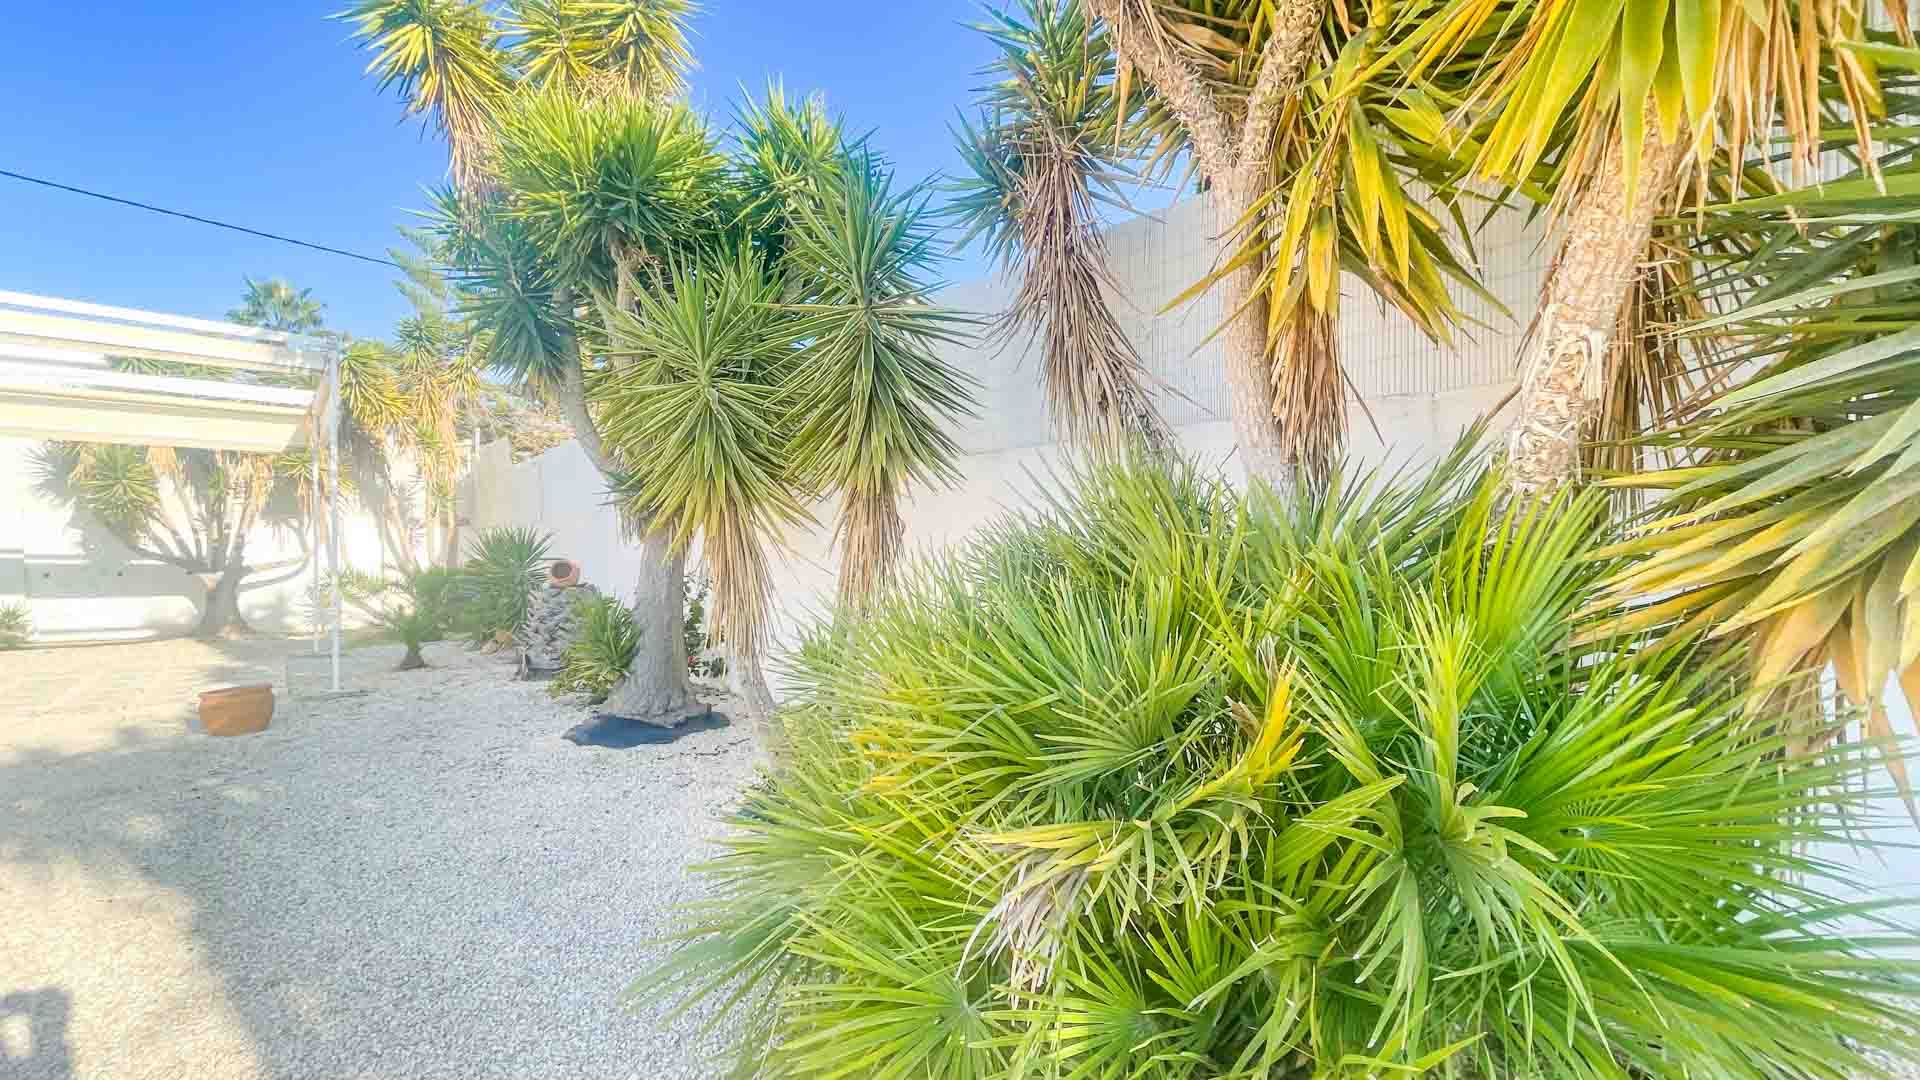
(424, 881)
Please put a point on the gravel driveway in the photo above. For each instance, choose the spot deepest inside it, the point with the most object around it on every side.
(424, 881)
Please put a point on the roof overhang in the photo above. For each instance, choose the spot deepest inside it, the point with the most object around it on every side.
(55, 382)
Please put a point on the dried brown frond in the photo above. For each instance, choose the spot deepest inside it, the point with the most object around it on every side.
(1029, 918)
(871, 535)
(1309, 389)
(1098, 387)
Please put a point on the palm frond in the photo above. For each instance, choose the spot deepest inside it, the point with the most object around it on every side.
(874, 397)
(443, 58)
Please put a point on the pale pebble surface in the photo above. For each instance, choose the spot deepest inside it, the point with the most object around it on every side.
(421, 881)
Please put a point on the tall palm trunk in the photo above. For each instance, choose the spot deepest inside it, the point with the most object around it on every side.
(220, 617)
(656, 689)
(1600, 255)
(1249, 365)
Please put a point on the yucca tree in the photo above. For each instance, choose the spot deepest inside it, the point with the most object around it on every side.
(443, 59)
(595, 196)
(1790, 518)
(696, 400)
(1624, 107)
(1053, 145)
(1155, 782)
(742, 389)
(1304, 126)
(875, 400)
(457, 61)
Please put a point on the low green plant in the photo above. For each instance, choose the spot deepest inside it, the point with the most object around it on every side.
(16, 626)
(504, 566)
(421, 608)
(602, 650)
(1164, 783)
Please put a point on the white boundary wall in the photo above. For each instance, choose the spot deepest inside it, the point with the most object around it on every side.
(82, 585)
(1420, 394)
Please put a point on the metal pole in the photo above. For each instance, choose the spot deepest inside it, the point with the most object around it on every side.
(313, 510)
(333, 498)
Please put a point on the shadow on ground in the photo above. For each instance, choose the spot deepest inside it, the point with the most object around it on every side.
(422, 882)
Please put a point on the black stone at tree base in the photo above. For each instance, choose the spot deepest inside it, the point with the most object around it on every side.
(625, 733)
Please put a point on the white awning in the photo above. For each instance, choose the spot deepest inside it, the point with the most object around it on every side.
(55, 382)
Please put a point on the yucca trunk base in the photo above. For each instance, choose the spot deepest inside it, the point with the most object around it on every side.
(221, 618)
(656, 689)
(1249, 372)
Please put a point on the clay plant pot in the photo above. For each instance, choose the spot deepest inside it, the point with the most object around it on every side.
(565, 574)
(237, 710)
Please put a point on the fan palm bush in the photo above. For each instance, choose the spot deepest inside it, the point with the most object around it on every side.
(598, 656)
(1162, 783)
(419, 608)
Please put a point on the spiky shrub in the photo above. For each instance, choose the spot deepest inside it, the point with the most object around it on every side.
(16, 626)
(599, 654)
(1163, 784)
(504, 566)
(420, 608)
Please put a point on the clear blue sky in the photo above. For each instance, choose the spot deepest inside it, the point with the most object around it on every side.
(257, 113)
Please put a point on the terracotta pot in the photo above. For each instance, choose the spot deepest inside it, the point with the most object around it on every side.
(237, 710)
(565, 574)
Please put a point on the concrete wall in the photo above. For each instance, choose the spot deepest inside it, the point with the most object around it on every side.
(1421, 395)
(82, 584)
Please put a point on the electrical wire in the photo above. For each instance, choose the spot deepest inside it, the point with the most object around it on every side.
(198, 218)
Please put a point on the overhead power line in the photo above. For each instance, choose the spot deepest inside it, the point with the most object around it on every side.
(196, 217)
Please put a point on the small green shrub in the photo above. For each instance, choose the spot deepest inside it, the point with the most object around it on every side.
(598, 656)
(503, 568)
(421, 608)
(1164, 784)
(16, 626)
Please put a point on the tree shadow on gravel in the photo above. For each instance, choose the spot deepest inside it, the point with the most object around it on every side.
(33, 1034)
(425, 882)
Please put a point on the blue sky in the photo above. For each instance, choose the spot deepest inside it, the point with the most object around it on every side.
(257, 113)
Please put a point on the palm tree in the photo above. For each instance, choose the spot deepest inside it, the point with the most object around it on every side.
(1053, 145)
(444, 60)
(1304, 126)
(1616, 109)
(876, 400)
(275, 305)
(1790, 520)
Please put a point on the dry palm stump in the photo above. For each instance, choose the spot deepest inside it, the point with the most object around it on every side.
(553, 620)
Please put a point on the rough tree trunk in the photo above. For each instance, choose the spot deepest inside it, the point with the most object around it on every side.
(656, 689)
(1563, 375)
(221, 616)
(749, 678)
(1235, 154)
(1249, 368)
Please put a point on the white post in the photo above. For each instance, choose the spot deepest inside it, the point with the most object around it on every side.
(333, 498)
(313, 509)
